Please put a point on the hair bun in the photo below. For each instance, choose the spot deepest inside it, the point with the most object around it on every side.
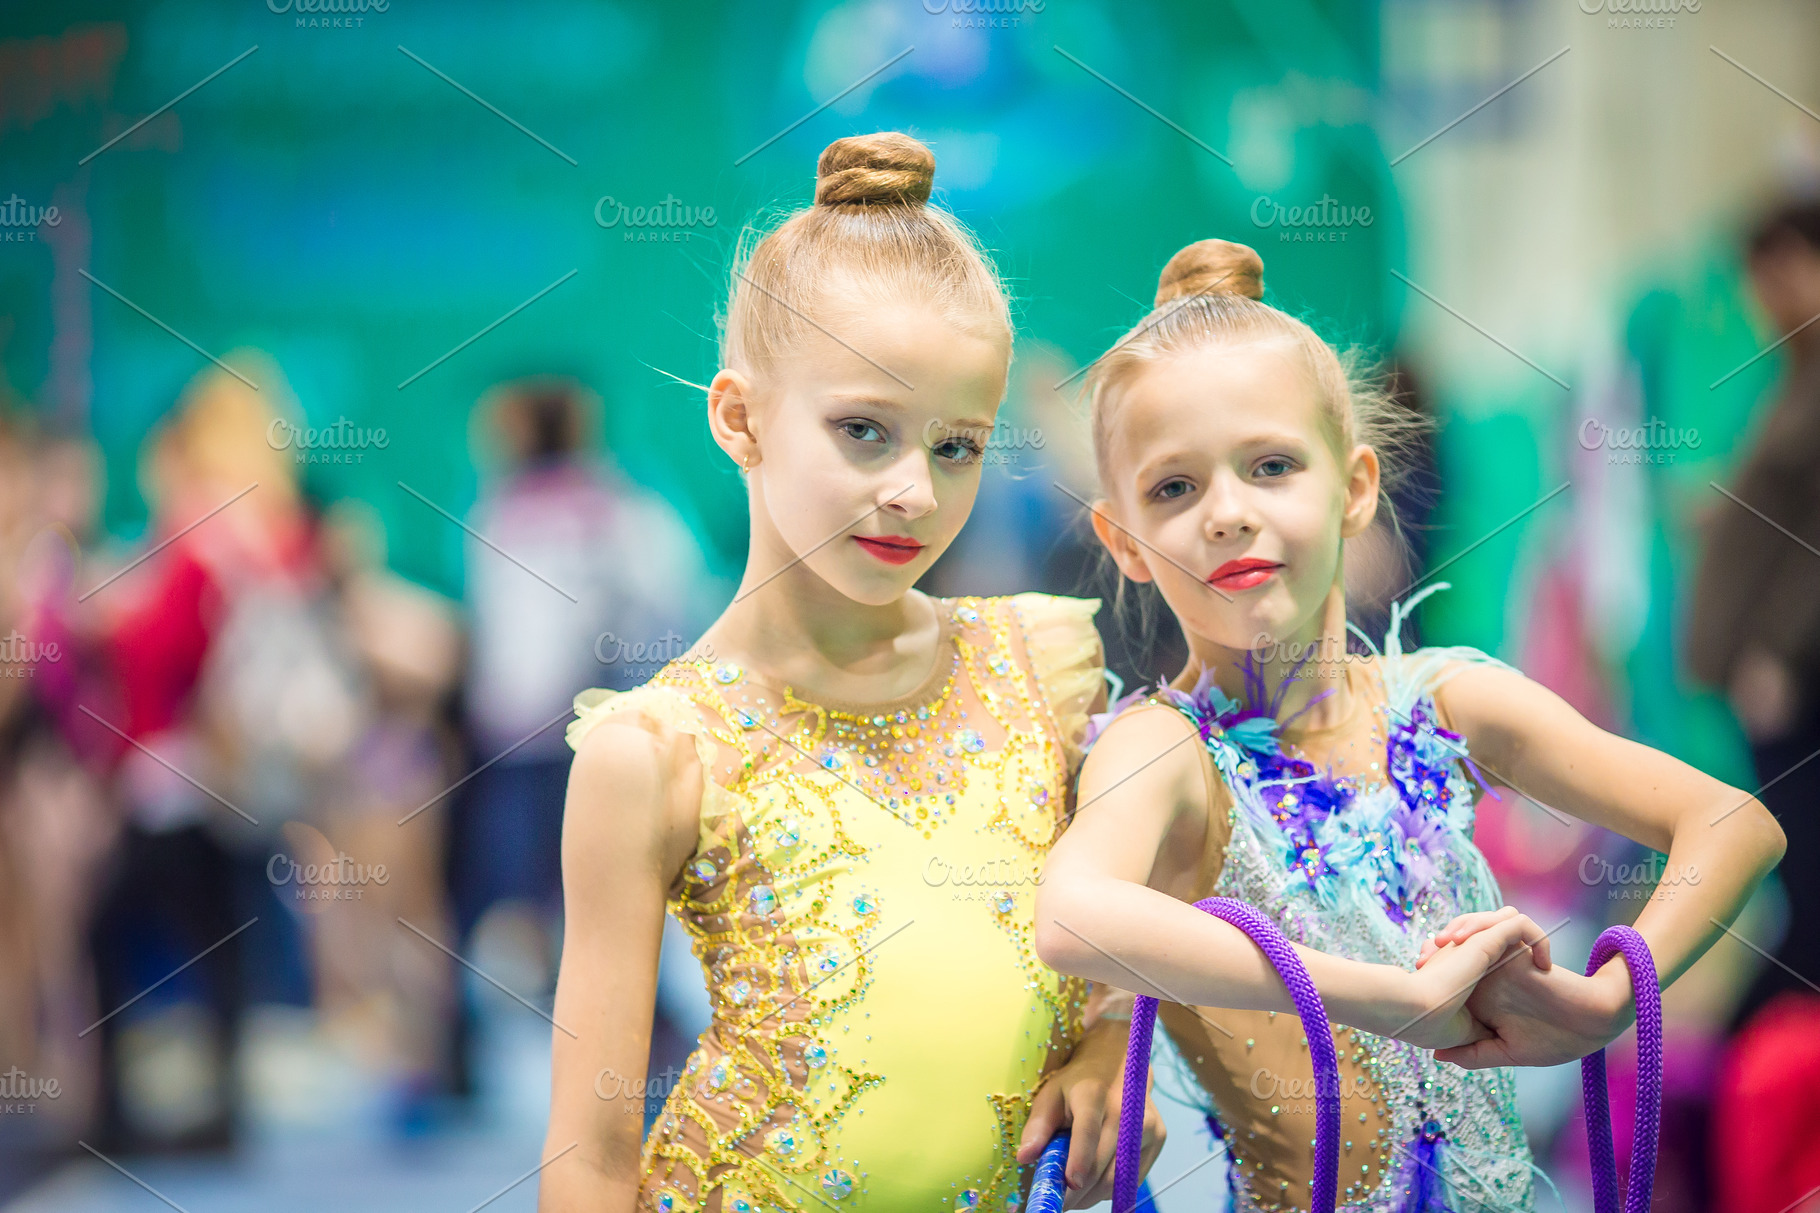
(1212, 267)
(886, 169)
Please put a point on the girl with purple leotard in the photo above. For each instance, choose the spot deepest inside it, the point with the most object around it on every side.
(1333, 791)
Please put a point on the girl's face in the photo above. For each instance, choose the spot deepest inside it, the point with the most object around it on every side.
(865, 452)
(1225, 489)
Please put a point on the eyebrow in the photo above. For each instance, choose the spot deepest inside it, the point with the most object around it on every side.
(863, 398)
(1178, 453)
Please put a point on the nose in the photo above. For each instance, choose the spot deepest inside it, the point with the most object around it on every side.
(908, 489)
(1226, 512)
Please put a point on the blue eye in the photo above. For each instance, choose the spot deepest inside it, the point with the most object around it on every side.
(962, 451)
(1172, 488)
(1283, 466)
(861, 431)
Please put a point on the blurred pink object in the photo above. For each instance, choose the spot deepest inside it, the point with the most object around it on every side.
(1766, 1114)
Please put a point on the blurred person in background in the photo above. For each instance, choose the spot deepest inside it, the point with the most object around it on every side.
(1754, 631)
(56, 821)
(374, 855)
(620, 583)
(229, 707)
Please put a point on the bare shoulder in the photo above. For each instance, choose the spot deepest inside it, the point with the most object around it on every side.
(1146, 749)
(635, 788)
(1493, 706)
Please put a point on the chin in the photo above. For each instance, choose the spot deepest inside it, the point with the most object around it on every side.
(871, 583)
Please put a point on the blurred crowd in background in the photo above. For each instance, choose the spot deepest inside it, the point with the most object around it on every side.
(287, 639)
(276, 824)
(256, 790)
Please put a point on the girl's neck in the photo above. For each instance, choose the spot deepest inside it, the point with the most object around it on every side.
(793, 629)
(1305, 675)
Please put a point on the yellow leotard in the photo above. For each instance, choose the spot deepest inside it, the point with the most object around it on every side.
(860, 899)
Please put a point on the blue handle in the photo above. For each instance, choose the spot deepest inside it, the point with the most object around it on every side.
(1049, 1187)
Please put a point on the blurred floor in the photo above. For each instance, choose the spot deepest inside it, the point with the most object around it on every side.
(457, 1171)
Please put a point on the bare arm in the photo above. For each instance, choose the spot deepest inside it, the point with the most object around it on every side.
(629, 827)
(1719, 843)
(1114, 903)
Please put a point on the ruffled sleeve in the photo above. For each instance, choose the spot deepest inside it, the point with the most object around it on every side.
(1067, 660)
(661, 711)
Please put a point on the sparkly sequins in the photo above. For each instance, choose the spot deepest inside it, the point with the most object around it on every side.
(811, 858)
(1367, 867)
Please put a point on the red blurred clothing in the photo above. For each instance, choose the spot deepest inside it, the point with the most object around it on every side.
(158, 638)
(1766, 1118)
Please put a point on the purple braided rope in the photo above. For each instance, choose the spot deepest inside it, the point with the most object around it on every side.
(1648, 1120)
(1265, 934)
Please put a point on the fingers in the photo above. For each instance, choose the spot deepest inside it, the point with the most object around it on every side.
(1479, 1055)
(1086, 1152)
(1048, 1114)
(1467, 925)
(1514, 930)
(1429, 948)
(1151, 1146)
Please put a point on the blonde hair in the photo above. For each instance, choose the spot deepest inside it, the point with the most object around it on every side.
(870, 238)
(1211, 293)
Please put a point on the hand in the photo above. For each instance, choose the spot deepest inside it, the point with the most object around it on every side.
(1540, 1014)
(1447, 973)
(1084, 1096)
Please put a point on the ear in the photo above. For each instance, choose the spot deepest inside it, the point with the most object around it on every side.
(1126, 551)
(1362, 471)
(731, 409)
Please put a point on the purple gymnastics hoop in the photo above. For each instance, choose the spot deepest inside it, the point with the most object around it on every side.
(1270, 940)
(1646, 1126)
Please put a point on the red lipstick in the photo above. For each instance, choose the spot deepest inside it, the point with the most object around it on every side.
(892, 549)
(1242, 574)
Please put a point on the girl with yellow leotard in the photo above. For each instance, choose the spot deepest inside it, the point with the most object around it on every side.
(846, 789)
